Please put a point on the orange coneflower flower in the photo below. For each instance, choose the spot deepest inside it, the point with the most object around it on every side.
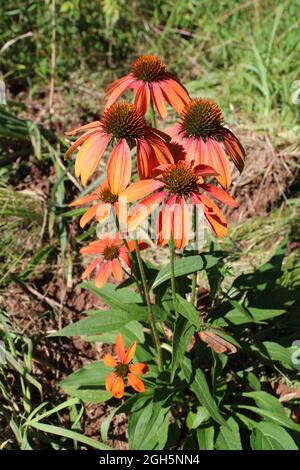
(124, 370)
(150, 80)
(124, 127)
(111, 254)
(201, 132)
(111, 194)
(182, 182)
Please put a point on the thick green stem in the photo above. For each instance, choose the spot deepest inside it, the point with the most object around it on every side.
(172, 272)
(151, 318)
(195, 275)
(152, 114)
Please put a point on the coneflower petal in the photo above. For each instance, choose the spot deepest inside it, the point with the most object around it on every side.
(92, 156)
(110, 380)
(142, 210)
(119, 167)
(81, 140)
(136, 383)
(220, 194)
(91, 267)
(109, 361)
(212, 214)
(120, 348)
(103, 274)
(130, 353)
(117, 89)
(118, 388)
(138, 368)
(142, 97)
(158, 99)
(117, 270)
(89, 214)
(90, 125)
(140, 189)
(181, 221)
(217, 159)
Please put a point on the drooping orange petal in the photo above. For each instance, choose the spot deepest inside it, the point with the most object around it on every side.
(117, 270)
(165, 221)
(119, 167)
(81, 140)
(161, 150)
(120, 348)
(142, 98)
(118, 388)
(91, 125)
(118, 88)
(234, 148)
(146, 159)
(219, 161)
(130, 353)
(93, 155)
(138, 368)
(140, 189)
(181, 230)
(88, 215)
(91, 268)
(220, 194)
(103, 274)
(175, 94)
(142, 210)
(136, 383)
(212, 214)
(110, 379)
(109, 361)
(84, 200)
(158, 100)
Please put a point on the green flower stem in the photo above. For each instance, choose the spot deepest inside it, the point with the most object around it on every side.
(195, 275)
(152, 114)
(172, 272)
(151, 318)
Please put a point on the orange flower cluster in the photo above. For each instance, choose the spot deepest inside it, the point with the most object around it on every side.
(173, 169)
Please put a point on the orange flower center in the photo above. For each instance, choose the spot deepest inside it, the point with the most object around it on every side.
(123, 121)
(201, 118)
(107, 196)
(148, 68)
(111, 252)
(122, 370)
(180, 179)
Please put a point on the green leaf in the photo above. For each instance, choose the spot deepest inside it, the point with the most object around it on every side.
(89, 376)
(132, 331)
(197, 381)
(183, 332)
(75, 436)
(194, 420)
(239, 316)
(275, 352)
(270, 436)
(184, 266)
(188, 311)
(229, 437)
(145, 424)
(273, 416)
(101, 321)
(205, 436)
(116, 298)
(89, 395)
(266, 401)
